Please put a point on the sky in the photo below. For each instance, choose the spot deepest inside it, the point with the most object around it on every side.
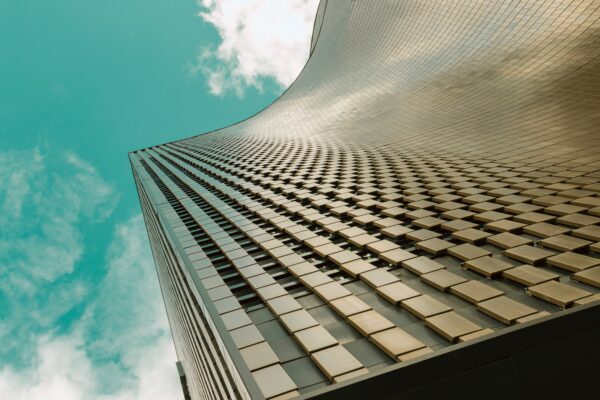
(81, 84)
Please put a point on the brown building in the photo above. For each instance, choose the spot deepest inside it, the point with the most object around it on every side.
(417, 216)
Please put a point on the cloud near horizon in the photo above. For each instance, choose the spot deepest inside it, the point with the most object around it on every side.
(260, 39)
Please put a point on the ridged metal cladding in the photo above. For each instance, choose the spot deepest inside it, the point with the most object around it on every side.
(432, 160)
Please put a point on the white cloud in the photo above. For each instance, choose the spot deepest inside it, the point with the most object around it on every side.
(47, 198)
(260, 39)
(121, 347)
(43, 197)
(16, 174)
(128, 317)
(120, 350)
(64, 371)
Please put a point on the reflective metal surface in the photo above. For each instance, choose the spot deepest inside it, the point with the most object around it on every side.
(431, 177)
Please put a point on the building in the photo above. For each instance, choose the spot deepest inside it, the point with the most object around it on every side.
(417, 216)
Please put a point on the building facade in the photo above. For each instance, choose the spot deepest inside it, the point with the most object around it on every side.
(419, 211)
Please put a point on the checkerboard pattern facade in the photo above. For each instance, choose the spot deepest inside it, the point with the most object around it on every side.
(431, 177)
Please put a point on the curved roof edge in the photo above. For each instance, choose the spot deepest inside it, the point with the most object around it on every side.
(319, 17)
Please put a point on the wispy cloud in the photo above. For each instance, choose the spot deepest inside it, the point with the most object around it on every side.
(127, 319)
(260, 39)
(46, 197)
(61, 371)
(120, 348)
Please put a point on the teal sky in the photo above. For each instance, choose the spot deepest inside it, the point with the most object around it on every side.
(81, 84)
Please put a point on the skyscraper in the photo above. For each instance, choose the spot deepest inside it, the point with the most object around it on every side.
(417, 215)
